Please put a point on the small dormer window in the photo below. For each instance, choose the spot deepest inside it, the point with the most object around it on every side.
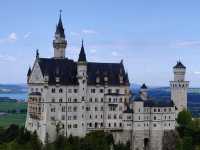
(97, 80)
(106, 79)
(57, 79)
(46, 78)
(120, 79)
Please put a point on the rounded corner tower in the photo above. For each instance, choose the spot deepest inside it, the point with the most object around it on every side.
(179, 87)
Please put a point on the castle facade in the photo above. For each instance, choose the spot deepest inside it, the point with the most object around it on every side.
(70, 97)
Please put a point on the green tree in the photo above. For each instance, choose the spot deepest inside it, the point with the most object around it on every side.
(187, 143)
(184, 118)
(35, 142)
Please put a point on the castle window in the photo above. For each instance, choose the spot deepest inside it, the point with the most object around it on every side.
(75, 109)
(75, 126)
(96, 109)
(92, 90)
(101, 108)
(96, 100)
(53, 109)
(120, 124)
(109, 99)
(96, 117)
(154, 110)
(69, 126)
(115, 124)
(75, 90)
(63, 109)
(69, 117)
(69, 109)
(83, 81)
(165, 110)
(53, 100)
(115, 116)
(154, 125)
(60, 90)
(90, 124)
(101, 99)
(101, 116)
(109, 91)
(154, 118)
(109, 125)
(101, 90)
(138, 117)
(75, 117)
(75, 100)
(158, 110)
(82, 98)
(60, 100)
(90, 99)
(90, 116)
(169, 117)
(169, 124)
(101, 124)
(53, 90)
(53, 118)
(117, 91)
(87, 108)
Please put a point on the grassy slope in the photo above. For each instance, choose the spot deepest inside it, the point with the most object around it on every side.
(5, 106)
(15, 118)
(18, 119)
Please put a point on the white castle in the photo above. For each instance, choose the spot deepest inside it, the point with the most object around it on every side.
(70, 97)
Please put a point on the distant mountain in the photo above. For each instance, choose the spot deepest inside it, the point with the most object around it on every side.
(13, 88)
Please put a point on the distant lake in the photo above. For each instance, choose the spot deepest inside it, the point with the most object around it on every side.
(17, 96)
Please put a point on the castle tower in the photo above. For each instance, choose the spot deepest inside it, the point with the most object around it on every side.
(82, 71)
(179, 87)
(144, 92)
(82, 80)
(59, 42)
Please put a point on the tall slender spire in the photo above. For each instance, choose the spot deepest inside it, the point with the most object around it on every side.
(82, 56)
(37, 53)
(59, 43)
(59, 28)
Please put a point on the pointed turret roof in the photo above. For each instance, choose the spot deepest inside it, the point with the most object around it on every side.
(29, 72)
(59, 27)
(179, 65)
(143, 86)
(82, 56)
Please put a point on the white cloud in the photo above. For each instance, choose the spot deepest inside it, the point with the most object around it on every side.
(12, 36)
(27, 35)
(188, 44)
(7, 58)
(88, 31)
(114, 53)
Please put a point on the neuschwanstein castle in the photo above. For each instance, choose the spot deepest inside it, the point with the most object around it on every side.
(74, 97)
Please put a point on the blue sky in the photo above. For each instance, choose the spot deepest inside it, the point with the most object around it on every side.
(149, 35)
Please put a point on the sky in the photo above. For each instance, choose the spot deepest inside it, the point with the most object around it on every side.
(149, 35)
